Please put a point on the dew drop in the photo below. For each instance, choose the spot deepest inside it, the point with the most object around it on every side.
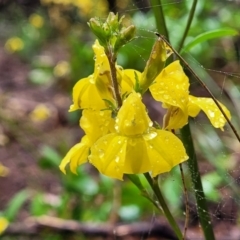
(91, 80)
(153, 55)
(117, 158)
(211, 113)
(166, 139)
(101, 153)
(150, 136)
(166, 96)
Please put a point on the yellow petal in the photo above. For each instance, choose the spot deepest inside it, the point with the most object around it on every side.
(128, 82)
(76, 156)
(113, 155)
(101, 61)
(171, 86)
(101, 75)
(175, 118)
(96, 123)
(193, 109)
(108, 155)
(137, 158)
(165, 151)
(132, 118)
(211, 110)
(86, 95)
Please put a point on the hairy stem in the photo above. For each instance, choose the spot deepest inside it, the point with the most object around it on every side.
(113, 74)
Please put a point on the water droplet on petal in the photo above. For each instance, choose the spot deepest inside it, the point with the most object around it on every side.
(166, 97)
(117, 158)
(150, 124)
(150, 136)
(211, 113)
(166, 139)
(101, 153)
(91, 80)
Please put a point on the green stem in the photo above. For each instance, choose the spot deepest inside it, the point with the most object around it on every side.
(189, 22)
(156, 189)
(159, 16)
(202, 209)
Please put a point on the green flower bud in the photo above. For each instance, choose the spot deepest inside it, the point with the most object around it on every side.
(113, 22)
(126, 35)
(98, 29)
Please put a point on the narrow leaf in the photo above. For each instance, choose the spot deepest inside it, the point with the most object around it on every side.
(15, 204)
(210, 35)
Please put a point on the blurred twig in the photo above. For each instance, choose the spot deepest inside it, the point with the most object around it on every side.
(34, 226)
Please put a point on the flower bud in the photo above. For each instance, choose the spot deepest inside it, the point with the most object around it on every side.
(155, 64)
(99, 30)
(126, 35)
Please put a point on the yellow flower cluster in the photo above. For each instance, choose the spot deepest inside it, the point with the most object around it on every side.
(125, 141)
(86, 7)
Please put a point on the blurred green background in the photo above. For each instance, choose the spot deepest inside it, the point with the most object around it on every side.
(45, 49)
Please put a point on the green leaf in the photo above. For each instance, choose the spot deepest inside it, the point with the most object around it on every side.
(210, 35)
(49, 158)
(15, 204)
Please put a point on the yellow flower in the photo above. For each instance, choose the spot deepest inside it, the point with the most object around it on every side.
(89, 92)
(171, 88)
(40, 113)
(3, 171)
(14, 44)
(136, 147)
(3, 224)
(36, 20)
(62, 69)
(95, 124)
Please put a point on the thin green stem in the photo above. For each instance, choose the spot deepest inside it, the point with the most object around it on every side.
(189, 22)
(159, 16)
(156, 189)
(186, 202)
(202, 209)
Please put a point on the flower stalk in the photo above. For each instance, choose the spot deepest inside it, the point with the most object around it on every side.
(157, 191)
(202, 209)
(113, 75)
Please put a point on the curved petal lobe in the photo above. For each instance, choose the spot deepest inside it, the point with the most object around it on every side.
(211, 110)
